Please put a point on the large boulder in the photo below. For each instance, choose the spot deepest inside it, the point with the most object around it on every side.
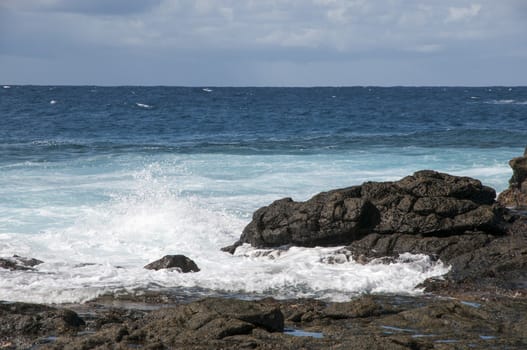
(428, 203)
(516, 194)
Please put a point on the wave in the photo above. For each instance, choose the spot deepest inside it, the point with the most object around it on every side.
(147, 216)
(143, 105)
(426, 142)
(506, 102)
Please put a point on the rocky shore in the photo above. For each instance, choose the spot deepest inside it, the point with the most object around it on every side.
(480, 303)
(368, 322)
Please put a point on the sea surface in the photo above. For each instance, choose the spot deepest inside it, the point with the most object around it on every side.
(99, 181)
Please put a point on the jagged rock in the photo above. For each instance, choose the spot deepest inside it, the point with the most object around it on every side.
(179, 262)
(516, 194)
(19, 263)
(209, 323)
(427, 203)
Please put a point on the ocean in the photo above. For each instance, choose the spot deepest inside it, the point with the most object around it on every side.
(99, 181)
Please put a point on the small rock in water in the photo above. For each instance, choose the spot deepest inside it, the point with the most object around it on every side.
(179, 262)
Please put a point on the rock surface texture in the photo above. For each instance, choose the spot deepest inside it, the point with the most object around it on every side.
(428, 203)
(368, 322)
(516, 195)
(179, 262)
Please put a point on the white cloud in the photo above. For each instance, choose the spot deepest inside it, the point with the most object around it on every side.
(463, 13)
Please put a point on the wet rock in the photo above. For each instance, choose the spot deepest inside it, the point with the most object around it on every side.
(179, 262)
(367, 322)
(361, 308)
(206, 324)
(22, 323)
(427, 203)
(214, 318)
(19, 263)
(516, 195)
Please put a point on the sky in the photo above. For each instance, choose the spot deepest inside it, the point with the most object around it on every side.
(264, 42)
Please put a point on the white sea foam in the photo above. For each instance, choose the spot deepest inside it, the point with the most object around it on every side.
(143, 105)
(507, 102)
(7, 87)
(52, 102)
(207, 90)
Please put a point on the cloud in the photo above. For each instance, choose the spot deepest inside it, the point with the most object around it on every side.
(235, 35)
(90, 7)
(463, 13)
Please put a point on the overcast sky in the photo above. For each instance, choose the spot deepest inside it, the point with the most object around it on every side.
(263, 42)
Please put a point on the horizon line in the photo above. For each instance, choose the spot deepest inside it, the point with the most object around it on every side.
(267, 86)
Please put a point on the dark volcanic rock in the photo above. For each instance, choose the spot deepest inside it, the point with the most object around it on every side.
(21, 323)
(516, 194)
(214, 318)
(210, 323)
(427, 203)
(368, 322)
(19, 263)
(180, 262)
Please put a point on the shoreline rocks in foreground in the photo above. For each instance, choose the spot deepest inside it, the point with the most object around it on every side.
(367, 322)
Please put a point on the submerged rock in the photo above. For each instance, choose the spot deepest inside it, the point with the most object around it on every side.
(19, 263)
(179, 262)
(428, 203)
(516, 194)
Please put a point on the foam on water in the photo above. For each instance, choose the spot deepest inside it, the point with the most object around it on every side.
(143, 105)
(507, 102)
(102, 246)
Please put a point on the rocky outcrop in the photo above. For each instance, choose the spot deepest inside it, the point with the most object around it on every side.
(178, 262)
(516, 195)
(368, 322)
(211, 323)
(19, 263)
(428, 203)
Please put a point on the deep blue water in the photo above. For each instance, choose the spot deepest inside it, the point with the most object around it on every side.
(88, 120)
(119, 176)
